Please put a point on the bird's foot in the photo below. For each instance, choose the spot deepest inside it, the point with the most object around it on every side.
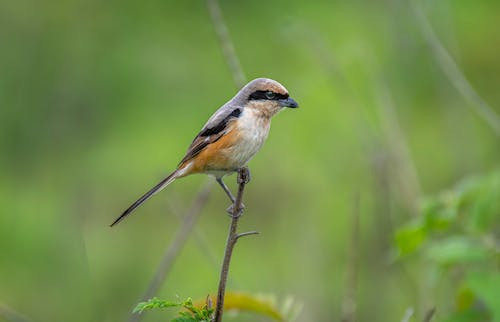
(232, 213)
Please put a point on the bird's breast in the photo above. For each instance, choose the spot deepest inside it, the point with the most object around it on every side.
(243, 139)
(251, 130)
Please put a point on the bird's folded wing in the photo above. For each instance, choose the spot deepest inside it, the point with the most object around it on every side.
(215, 128)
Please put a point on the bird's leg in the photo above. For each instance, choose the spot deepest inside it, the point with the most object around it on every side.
(226, 189)
(243, 178)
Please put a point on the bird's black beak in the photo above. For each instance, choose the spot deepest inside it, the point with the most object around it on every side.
(289, 102)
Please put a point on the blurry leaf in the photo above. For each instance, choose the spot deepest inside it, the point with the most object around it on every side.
(466, 188)
(441, 212)
(485, 207)
(456, 249)
(153, 304)
(252, 303)
(475, 199)
(471, 315)
(185, 318)
(469, 308)
(487, 287)
(192, 313)
(410, 237)
(465, 299)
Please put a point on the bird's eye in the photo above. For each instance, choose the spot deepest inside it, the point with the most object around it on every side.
(270, 95)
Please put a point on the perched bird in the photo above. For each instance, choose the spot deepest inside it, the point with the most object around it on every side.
(230, 138)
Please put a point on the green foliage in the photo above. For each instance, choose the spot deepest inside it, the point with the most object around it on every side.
(265, 305)
(458, 231)
(192, 313)
(486, 285)
(156, 303)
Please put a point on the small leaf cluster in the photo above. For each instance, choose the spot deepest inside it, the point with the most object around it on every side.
(202, 311)
(458, 231)
(190, 313)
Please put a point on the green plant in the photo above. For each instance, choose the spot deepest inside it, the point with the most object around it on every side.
(457, 238)
(191, 313)
(202, 310)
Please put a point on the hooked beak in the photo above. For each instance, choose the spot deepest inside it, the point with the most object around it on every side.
(288, 102)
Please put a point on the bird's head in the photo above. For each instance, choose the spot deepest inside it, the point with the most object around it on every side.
(266, 96)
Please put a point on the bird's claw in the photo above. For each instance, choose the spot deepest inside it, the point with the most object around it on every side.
(232, 213)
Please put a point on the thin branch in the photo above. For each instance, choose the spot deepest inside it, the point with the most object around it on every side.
(175, 246)
(236, 211)
(226, 43)
(10, 315)
(248, 233)
(408, 314)
(349, 304)
(198, 235)
(399, 148)
(454, 74)
(429, 315)
(391, 129)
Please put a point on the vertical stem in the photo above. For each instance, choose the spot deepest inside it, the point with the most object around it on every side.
(231, 241)
(451, 69)
(349, 304)
(226, 43)
(9, 314)
(232, 238)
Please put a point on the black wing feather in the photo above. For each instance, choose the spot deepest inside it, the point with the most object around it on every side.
(209, 135)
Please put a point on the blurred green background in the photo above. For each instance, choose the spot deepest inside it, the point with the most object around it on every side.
(99, 100)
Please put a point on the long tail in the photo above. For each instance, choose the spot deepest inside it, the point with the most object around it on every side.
(162, 184)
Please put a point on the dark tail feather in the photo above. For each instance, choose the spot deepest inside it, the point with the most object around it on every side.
(165, 182)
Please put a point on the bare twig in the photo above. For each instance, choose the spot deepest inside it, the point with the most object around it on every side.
(429, 315)
(408, 314)
(226, 43)
(10, 315)
(391, 128)
(248, 233)
(349, 304)
(175, 246)
(236, 211)
(399, 149)
(198, 235)
(454, 74)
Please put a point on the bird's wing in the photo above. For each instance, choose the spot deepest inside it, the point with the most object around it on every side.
(213, 130)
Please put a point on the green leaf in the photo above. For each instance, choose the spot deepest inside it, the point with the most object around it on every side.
(485, 207)
(471, 315)
(456, 249)
(410, 237)
(192, 313)
(440, 212)
(486, 286)
(154, 303)
(185, 318)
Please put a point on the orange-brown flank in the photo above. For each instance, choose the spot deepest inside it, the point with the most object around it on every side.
(216, 155)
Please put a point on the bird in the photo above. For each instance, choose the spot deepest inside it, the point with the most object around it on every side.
(230, 137)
